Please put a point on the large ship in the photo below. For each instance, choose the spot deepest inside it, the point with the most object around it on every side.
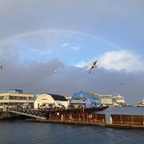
(141, 104)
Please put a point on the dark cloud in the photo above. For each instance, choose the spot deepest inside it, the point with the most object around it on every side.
(55, 77)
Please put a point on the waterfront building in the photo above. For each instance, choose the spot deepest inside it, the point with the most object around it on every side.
(105, 99)
(15, 98)
(36, 96)
(123, 116)
(68, 98)
(82, 99)
(109, 100)
(50, 99)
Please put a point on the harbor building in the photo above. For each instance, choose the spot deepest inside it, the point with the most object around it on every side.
(16, 98)
(50, 100)
(82, 99)
(109, 100)
(106, 99)
(123, 116)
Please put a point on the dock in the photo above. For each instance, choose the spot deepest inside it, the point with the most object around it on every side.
(98, 116)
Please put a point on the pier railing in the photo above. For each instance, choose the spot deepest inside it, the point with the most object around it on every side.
(29, 113)
(83, 114)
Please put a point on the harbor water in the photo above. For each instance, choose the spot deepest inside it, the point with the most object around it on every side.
(22, 132)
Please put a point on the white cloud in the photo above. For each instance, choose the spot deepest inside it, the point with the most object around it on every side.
(117, 60)
(83, 64)
(75, 48)
(42, 52)
(121, 60)
(65, 44)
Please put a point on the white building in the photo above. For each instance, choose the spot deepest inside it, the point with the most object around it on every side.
(15, 98)
(68, 98)
(47, 98)
(110, 100)
(106, 99)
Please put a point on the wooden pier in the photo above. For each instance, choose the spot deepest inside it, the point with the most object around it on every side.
(79, 116)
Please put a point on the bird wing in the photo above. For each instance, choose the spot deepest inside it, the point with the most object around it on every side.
(90, 70)
(94, 63)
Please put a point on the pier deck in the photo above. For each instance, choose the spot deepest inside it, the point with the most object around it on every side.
(44, 114)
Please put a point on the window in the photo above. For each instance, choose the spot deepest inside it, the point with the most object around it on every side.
(6, 97)
(1, 97)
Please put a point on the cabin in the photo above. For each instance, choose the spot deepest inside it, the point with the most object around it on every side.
(82, 99)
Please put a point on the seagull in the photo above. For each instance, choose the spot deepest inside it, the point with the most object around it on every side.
(93, 66)
(1, 67)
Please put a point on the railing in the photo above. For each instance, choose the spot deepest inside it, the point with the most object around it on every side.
(29, 113)
(44, 114)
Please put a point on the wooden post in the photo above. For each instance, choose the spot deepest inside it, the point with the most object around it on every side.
(96, 117)
(62, 117)
(121, 119)
(132, 119)
(83, 115)
(87, 117)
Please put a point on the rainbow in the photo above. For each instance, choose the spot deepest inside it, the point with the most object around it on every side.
(6, 40)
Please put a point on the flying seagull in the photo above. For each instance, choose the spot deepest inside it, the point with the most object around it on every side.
(1, 67)
(93, 66)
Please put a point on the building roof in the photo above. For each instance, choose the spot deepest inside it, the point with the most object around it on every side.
(123, 111)
(58, 97)
(82, 94)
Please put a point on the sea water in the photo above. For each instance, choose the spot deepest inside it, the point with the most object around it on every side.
(22, 132)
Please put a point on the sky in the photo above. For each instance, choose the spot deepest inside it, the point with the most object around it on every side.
(48, 46)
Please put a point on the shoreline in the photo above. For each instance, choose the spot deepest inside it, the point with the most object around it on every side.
(119, 118)
(122, 126)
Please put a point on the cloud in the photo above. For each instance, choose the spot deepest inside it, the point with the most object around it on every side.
(121, 60)
(75, 48)
(42, 52)
(83, 64)
(119, 22)
(65, 44)
(116, 60)
(39, 77)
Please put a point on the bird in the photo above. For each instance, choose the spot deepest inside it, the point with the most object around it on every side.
(93, 66)
(1, 67)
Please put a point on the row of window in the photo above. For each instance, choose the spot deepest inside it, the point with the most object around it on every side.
(79, 100)
(15, 98)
